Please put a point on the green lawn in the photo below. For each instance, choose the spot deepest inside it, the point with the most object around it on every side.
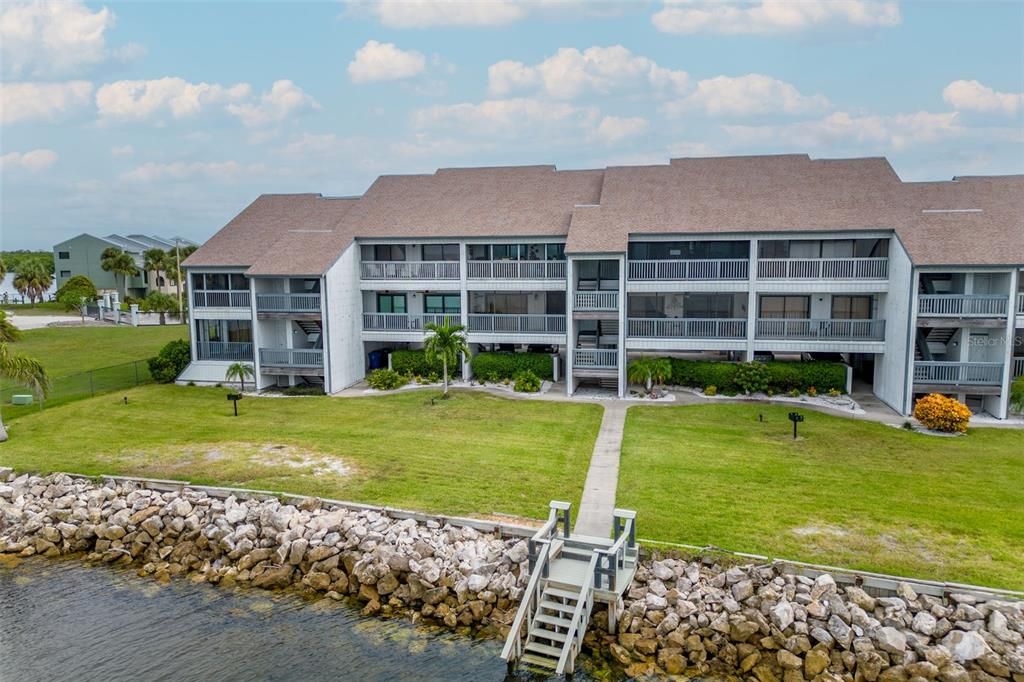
(472, 454)
(43, 308)
(847, 493)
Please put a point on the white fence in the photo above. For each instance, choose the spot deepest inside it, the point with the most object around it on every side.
(962, 305)
(958, 373)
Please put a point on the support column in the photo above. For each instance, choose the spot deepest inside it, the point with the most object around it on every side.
(467, 371)
(570, 324)
(1011, 331)
(751, 301)
(255, 335)
(622, 325)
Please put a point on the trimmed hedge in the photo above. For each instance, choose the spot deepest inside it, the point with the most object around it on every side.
(414, 363)
(504, 365)
(782, 376)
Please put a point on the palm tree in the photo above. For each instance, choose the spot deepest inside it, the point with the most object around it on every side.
(120, 263)
(445, 342)
(33, 279)
(155, 261)
(3, 268)
(648, 371)
(8, 332)
(174, 257)
(159, 302)
(239, 371)
(25, 371)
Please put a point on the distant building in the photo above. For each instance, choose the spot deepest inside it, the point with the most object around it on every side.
(82, 255)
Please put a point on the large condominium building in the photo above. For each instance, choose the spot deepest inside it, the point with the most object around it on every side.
(917, 286)
(83, 255)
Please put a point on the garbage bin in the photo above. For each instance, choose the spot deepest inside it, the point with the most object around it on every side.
(378, 359)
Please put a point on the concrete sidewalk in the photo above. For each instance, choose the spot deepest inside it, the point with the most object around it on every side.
(598, 503)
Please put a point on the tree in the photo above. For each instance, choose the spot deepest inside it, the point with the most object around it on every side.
(445, 343)
(23, 370)
(173, 261)
(239, 371)
(32, 279)
(3, 268)
(120, 263)
(8, 332)
(159, 302)
(155, 260)
(648, 371)
(76, 294)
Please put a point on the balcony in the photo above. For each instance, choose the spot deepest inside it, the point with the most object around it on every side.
(959, 373)
(515, 269)
(596, 301)
(517, 324)
(228, 351)
(406, 322)
(590, 358)
(823, 268)
(821, 330)
(290, 358)
(962, 305)
(288, 303)
(688, 270)
(220, 299)
(409, 269)
(668, 328)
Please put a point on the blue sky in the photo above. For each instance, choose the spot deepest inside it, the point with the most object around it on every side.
(168, 118)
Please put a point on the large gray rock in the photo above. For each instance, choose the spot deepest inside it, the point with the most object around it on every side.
(782, 615)
(965, 646)
(890, 640)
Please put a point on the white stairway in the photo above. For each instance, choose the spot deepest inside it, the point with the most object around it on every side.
(550, 628)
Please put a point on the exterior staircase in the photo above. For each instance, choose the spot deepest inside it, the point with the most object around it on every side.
(312, 330)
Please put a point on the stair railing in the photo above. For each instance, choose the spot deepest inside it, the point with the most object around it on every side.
(623, 550)
(558, 515)
(515, 642)
(580, 620)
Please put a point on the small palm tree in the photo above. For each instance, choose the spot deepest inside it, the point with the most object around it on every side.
(445, 342)
(8, 332)
(22, 370)
(120, 263)
(155, 261)
(648, 371)
(239, 371)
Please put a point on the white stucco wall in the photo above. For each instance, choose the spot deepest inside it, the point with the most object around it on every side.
(343, 310)
(892, 368)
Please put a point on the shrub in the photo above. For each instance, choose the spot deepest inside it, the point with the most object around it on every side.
(711, 390)
(1017, 395)
(171, 361)
(939, 413)
(414, 363)
(386, 379)
(781, 377)
(752, 377)
(527, 382)
(495, 367)
(834, 393)
(698, 373)
(795, 393)
(812, 391)
(74, 290)
(302, 390)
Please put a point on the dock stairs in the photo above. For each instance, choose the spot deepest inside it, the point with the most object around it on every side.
(569, 575)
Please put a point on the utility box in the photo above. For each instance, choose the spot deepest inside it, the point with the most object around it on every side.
(21, 399)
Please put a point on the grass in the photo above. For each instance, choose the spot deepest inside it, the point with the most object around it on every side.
(472, 454)
(42, 308)
(848, 493)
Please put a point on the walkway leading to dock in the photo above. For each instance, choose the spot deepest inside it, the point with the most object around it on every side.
(598, 503)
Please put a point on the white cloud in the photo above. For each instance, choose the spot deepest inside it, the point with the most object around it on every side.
(284, 99)
(973, 96)
(570, 72)
(376, 61)
(122, 151)
(506, 117)
(614, 129)
(139, 100)
(428, 13)
(41, 101)
(179, 170)
(772, 16)
(895, 132)
(35, 160)
(49, 38)
(746, 95)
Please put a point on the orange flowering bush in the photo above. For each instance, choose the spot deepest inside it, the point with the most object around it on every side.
(939, 413)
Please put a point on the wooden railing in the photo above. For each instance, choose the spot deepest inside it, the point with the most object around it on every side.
(595, 358)
(292, 357)
(223, 350)
(515, 269)
(826, 330)
(406, 322)
(685, 328)
(220, 299)
(409, 269)
(962, 305)
(623, 550)
(958, 373)
(517, 324)
(596, 300)
(823, 268)
(578, 624)
(290, 303)
(688, 270)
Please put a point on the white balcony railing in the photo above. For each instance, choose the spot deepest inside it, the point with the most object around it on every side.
(517, 324)
(596, 358)
(959, 373)
(223, 350)
(666, 328)
(406, 322)
(1020, 303)
(962, 305)
(220, 299)
(288, 303)
(1018, 367)
(515, 269)
(410, 269)
(826, 330)
(688, 270)
(823, 268)
(291, 357)
(597, 300)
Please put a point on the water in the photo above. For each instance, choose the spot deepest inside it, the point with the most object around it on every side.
(63, 620)
(7, 287)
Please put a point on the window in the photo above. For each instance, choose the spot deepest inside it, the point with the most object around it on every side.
(555, 303)
(688, 250)
(708, 306)
(389, 252)
(646, 305)
(197, 282)
(505, 251)
(440, 252)
(851, 307)
(65, 273)
(63, 255)
(554, 251)
(438, 304)
(239, 331)
(478, 252)
(161, 282)
(217, 282)
(786, 307)
(391, 303)
(500, 304)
